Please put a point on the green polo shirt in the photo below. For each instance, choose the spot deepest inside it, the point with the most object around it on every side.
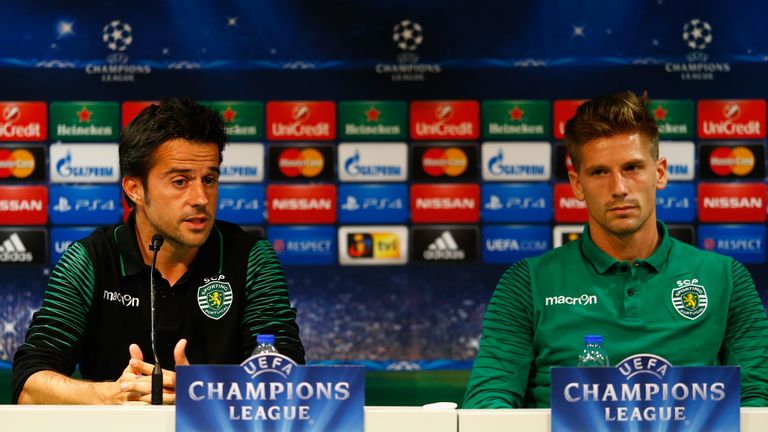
(692, 307)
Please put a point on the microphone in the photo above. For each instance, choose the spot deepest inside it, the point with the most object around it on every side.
(157, 372)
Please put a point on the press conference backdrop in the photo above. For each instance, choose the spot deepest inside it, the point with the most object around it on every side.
(398, 156)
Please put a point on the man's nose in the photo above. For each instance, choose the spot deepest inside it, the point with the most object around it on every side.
(198, 194)
(618, 185)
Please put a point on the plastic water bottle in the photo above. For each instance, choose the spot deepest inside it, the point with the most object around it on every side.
(593, 354)
(265, 344)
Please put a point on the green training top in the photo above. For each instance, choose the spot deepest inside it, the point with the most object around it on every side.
(692, 307)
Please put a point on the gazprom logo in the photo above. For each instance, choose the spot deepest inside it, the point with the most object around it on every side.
(354, 168)
(84, 163)
(66, 168)
(516, 161)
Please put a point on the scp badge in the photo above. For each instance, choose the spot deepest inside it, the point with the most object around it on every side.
(214, 297)
(689, 298)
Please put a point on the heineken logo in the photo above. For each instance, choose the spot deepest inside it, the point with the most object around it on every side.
(215, 297)
(689, 298)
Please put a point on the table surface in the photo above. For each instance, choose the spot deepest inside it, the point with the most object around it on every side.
(130, 418)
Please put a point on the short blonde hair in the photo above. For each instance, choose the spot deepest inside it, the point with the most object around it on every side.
(605, 116)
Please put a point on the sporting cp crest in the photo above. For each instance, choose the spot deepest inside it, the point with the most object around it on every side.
(689, 299)
(215, 297)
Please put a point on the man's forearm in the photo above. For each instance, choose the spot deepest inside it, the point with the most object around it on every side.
(48, 387)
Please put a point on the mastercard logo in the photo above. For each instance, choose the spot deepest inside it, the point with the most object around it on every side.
(449, 161)
(18, 163)
(295, 162)
(738, 161)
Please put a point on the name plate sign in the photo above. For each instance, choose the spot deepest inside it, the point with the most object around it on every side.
(645, 392)
(267, 393)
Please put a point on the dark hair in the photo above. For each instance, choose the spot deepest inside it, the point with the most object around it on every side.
(605, 116)
(158, 123)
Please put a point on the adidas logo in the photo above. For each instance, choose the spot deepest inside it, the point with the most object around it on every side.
(444, 248)
(13, 250)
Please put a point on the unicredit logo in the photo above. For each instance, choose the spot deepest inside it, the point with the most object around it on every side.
(290, 120)
(11, 128)
(11, 113)
(451, 161)
(445, 129)
(728, 119)
(739, 161)
(443, 112)
(443, 119)
(300, 113)
(731, 111)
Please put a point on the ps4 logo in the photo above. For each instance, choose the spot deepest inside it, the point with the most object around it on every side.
(84, 204)
(238, 204)
(673, 202)
(496, 203)
(372, 203)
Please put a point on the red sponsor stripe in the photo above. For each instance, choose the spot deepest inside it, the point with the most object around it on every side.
(301, 204)
(562, 111)
(23, 121)
(23, 205)
(735, 118)
(567, 207)
(131, 109)
(732, 202)
(445, 120)
(301, 120)
(434, 203)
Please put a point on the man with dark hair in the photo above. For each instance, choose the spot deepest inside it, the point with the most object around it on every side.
(621, 279)
(218, 287)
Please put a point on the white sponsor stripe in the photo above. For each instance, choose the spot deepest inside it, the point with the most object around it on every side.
(449, 240)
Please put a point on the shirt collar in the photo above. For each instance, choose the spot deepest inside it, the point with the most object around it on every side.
(210, 257)
(603, 262)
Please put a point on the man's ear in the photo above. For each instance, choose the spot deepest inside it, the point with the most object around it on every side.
(662, 176)
(134, 189)
(573, 177)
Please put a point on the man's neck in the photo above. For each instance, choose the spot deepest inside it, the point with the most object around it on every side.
(173, 260)
(638, 245)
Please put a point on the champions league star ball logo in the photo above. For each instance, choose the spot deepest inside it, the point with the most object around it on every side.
(407, 35)
(117, 35)
(697, 34)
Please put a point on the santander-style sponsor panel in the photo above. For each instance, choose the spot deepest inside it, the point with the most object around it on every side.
(563, 110)
(437, 203)
(732, 202)
(301, 121)
(568, 209)
(301, 204)
(23, 205)
(738, 118)
(745, 243)
(445, 120)
(23, 121)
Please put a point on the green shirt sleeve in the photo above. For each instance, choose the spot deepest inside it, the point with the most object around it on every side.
(500, 374)
(267, 308)
(746, 338)
(54, 336)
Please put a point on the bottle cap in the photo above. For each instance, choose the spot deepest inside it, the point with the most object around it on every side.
(265, 339)
(593, 339)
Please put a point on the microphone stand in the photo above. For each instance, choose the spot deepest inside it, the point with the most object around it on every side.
(157, 372)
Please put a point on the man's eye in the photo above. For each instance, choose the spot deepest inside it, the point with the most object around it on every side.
(179, 182)
(210, 180)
